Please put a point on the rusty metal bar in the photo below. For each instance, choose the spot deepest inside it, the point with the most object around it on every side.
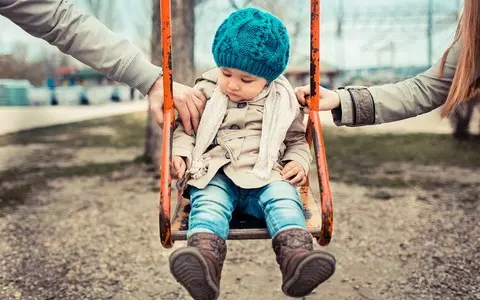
(314, 54)
(168, 126)
(314, 122)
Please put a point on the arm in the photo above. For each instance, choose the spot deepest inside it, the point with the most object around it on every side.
(297, 148)
(77, 33)
(392, 102)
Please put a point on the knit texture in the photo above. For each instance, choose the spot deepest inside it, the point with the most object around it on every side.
(252, 41)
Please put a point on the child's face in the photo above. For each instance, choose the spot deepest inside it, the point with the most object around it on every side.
(238, 85)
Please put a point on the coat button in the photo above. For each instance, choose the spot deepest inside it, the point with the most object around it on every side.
(241, 104)
(227, 155)
(234, 127)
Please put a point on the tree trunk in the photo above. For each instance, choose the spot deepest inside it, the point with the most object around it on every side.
(183, 22)
(183, 28)
(461, 117)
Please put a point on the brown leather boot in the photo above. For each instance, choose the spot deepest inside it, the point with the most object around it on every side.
(198, 266)
(302, 268)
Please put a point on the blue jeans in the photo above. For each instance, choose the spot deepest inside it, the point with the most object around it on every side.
(278, 203)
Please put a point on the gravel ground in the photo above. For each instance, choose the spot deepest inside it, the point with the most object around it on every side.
(95, 235)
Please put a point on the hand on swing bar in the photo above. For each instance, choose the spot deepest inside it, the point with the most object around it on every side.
(188, 102)
(328, 99)
(178, 167)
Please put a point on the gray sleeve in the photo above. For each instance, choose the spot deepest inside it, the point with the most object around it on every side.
(77, 33)
(393, 102)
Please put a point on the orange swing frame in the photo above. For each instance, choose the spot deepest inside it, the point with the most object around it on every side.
(319, 216)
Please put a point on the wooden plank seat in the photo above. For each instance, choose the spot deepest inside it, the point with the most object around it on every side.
(244, 226)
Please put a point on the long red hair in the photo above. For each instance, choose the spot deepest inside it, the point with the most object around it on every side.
(464, 85)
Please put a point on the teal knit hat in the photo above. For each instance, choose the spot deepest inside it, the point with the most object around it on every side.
(252, 41)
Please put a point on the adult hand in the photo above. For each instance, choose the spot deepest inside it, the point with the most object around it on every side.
(328, 99)
(188, 102)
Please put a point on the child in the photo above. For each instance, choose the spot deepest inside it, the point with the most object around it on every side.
(249, 152)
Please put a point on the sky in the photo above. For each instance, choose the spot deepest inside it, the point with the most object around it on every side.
(397, 27)
(361, 40)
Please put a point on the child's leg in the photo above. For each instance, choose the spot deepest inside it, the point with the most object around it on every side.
(212, 207)
(279, 204)
(303, 269)
(198, 266)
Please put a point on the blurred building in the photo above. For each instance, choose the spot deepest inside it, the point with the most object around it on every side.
(71, 76)
(14, 92)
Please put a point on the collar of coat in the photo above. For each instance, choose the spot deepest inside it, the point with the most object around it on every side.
(280, 109)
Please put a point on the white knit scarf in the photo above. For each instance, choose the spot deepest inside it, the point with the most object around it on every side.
(280, 109)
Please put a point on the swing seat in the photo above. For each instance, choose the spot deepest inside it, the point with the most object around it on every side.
(318, 209)
(244, 226)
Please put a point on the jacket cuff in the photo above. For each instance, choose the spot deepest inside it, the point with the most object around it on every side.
(141, 74)
(356, 107)
(298, 158)
(343, 115)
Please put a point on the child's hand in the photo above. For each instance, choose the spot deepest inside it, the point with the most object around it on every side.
(295, 172)
(178, 167)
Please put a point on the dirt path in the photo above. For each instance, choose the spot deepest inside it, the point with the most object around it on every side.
(81, 223)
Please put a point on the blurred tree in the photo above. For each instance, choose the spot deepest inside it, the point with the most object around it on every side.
(462, 116)
(183, 29)
(20, 51)
(238, 4)
(17, 66)
(106, 11)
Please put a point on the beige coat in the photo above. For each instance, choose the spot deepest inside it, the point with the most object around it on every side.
(77, 33)
(405, 99)
(237, 144)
